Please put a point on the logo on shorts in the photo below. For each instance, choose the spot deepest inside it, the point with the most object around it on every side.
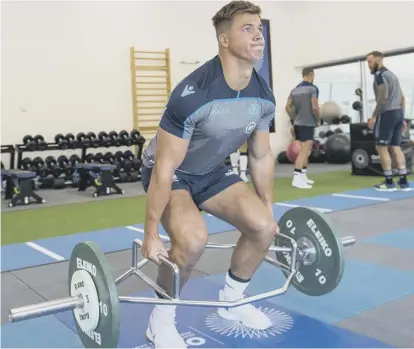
(281, 323)
(175, 178)
(250, 127)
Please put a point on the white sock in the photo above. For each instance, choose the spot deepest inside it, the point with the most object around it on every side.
(234, 289)
(164, 310)
(243, 163)
(234, 160)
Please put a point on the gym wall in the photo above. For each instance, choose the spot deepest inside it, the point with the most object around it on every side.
(66, 64)
(344, 29)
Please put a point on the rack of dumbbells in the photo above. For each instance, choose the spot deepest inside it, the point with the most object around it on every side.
(79, 171)
(128, 165)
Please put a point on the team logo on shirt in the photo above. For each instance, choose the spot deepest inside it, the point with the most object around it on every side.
(250, 127)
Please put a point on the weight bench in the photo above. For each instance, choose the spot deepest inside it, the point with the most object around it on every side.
(19, 187)
(99, 176)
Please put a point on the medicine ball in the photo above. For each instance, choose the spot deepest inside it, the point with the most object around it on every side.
(330, 110)
(293, 150)
(338, 149)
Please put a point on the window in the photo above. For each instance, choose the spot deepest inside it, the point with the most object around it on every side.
(338, 83)
(403, 67)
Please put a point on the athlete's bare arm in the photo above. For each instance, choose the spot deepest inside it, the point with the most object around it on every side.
(261, 165)
(171, 151)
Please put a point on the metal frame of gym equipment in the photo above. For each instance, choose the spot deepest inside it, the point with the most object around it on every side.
(70, 303)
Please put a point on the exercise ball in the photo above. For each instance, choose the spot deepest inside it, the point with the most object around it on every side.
(292, 151)
(330, 110)
(282, 158)
(338, 149)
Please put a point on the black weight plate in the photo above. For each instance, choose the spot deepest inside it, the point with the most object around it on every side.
(360, 159)
(88, 256)
(312, 229)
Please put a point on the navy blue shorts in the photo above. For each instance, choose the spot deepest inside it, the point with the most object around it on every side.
(304, 133)
(201, 187)
(388, 128)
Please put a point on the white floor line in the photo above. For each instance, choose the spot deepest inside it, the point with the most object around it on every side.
(130, 227)
(359, 197)
(315, 208)
(45, 251)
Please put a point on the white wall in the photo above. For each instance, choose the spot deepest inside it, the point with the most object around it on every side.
(66, 64)
(331, 30)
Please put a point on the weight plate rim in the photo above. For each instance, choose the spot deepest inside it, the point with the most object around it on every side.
(112, 289)
(337, 245)
(364, 153)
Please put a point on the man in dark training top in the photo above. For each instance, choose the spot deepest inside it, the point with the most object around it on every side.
(388, 122)
(210, 114)
(303, 109)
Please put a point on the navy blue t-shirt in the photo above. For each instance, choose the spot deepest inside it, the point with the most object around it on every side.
(216, 119)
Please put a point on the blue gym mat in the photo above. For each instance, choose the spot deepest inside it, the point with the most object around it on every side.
(17, 256)
(403, 239)
(203, 328)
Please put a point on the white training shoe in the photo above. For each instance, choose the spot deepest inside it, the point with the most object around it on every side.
(307, 180)
(247, 314)
(299, 181)
(244, 177)
(162, 332)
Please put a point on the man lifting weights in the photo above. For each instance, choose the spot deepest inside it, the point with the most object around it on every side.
(303, 109)
(210, 114)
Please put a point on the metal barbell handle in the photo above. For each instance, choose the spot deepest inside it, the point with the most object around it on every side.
(346, 241)
(45, 308)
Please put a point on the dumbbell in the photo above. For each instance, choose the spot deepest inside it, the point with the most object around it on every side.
(338, 130)
(125, 138)
(38, 166)
(137, 138)
(136, 163)
(70, 138)
(90, 158)
(82, 139)
(53, 166)
(109, 158)
(113, 136)
(26, 164)
(329, 133)
(322, 134)
(345, 119)
(104, 139)
(29, 142)
(94, 141)
(74, 159)
(99, 158)
(65, 165)
(120, 162)
(336, 120)
(61, 141)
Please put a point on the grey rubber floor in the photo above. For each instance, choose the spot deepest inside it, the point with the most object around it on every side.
(391, 322)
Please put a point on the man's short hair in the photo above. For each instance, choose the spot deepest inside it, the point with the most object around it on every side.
(227, 13)
(307, 71)
(376, 54)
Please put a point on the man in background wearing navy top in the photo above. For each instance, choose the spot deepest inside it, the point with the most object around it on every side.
(388, 122)
(303, 109)
(210, 114)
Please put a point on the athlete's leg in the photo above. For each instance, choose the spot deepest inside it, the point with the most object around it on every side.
(239, 205)
(398, 153)
(188, 239)
(383, 134)
(305, 136)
